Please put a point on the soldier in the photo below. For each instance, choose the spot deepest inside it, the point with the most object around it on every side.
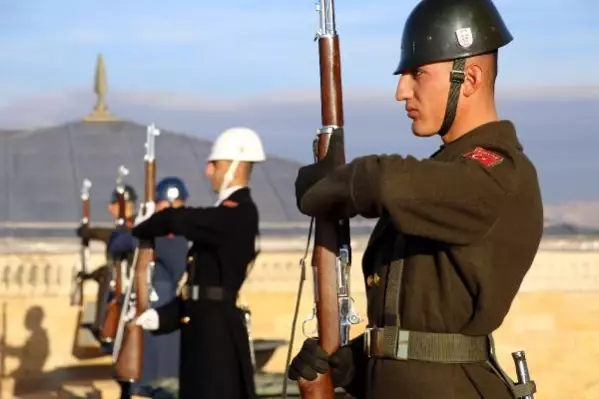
(456, 233)
(161, 354)
(117, 242)
(215, 354)
(105, 234)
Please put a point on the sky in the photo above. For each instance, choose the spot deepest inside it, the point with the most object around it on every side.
(200, 67)
(240, 47)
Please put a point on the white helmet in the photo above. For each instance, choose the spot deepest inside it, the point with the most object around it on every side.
(238, 144)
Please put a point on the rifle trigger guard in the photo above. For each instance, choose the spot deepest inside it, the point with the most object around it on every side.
(311, 317)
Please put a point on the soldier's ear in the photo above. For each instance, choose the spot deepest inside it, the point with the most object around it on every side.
(473, 79)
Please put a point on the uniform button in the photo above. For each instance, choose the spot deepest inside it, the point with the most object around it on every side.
(376, 279)
(190, 260)
(185, 320)
(369, 281)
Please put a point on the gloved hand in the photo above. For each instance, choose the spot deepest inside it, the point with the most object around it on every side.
(83, 231)
(81, 275)
(148, 320)
(150, 208)
(309, 175)
(312, 359)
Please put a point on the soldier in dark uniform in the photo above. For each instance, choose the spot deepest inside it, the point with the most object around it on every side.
(117, 242)
(456, 233)
(215, 355)
(161, 351)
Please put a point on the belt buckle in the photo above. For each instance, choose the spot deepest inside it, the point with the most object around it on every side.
(367, 341)
(403, 345)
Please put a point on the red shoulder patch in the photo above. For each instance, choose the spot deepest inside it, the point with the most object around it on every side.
(484, 157)
(230, 204)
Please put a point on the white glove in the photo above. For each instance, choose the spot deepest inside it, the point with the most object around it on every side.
(130, 314)
(150, 207)
(148, 320)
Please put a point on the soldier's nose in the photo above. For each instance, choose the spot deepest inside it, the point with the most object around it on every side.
(404, 89)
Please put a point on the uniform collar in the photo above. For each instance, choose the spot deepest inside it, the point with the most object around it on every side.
(228, 193)
(497, 133)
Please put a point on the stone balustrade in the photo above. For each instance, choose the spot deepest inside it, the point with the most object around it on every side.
(555, 316)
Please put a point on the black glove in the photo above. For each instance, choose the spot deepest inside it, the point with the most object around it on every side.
(157, 225)
(309, 175)
(83, 231)
(312, 359)
(83, 276)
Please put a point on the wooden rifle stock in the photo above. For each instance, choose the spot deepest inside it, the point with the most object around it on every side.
(129, 362)
(113, 310)
(329, 236)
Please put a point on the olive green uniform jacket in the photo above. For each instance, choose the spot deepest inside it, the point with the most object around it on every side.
(471, 220)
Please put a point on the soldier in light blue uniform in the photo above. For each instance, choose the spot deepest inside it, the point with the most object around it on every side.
(161, 351)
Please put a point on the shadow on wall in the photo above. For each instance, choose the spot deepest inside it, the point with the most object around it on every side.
(29, 377)
(32, 355)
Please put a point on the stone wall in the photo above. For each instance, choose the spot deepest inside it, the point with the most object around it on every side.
(555, 317)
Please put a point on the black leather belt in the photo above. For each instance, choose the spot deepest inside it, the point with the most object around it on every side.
(210, 293)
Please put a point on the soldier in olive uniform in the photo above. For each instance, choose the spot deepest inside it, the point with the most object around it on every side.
(117, 242)
(456, 233)
(161, 351)
(215, 355)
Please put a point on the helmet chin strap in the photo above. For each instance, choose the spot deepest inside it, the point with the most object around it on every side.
(456, 77)
(228, 178)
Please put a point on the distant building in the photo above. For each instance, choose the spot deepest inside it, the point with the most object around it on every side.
(41, 171)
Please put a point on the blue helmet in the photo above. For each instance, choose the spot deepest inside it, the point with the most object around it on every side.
(170, 189)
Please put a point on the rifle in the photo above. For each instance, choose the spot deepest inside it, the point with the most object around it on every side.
(129, 356)
(113, 310)
(77, 290)
(331, 256)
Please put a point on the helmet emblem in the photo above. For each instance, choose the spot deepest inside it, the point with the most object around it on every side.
(464, 37)
(172, 193)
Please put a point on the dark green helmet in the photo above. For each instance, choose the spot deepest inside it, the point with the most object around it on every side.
(130, 195)
(443, 30)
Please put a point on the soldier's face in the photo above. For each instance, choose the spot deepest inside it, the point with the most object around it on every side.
(215, 172)
(160, 205)
(425, 91)
(166, 204)
(113, 209)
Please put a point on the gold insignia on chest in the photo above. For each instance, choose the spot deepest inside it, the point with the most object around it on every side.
(182, 283)
(185, 293)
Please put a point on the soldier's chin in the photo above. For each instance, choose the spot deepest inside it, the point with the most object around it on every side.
(421, 129)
